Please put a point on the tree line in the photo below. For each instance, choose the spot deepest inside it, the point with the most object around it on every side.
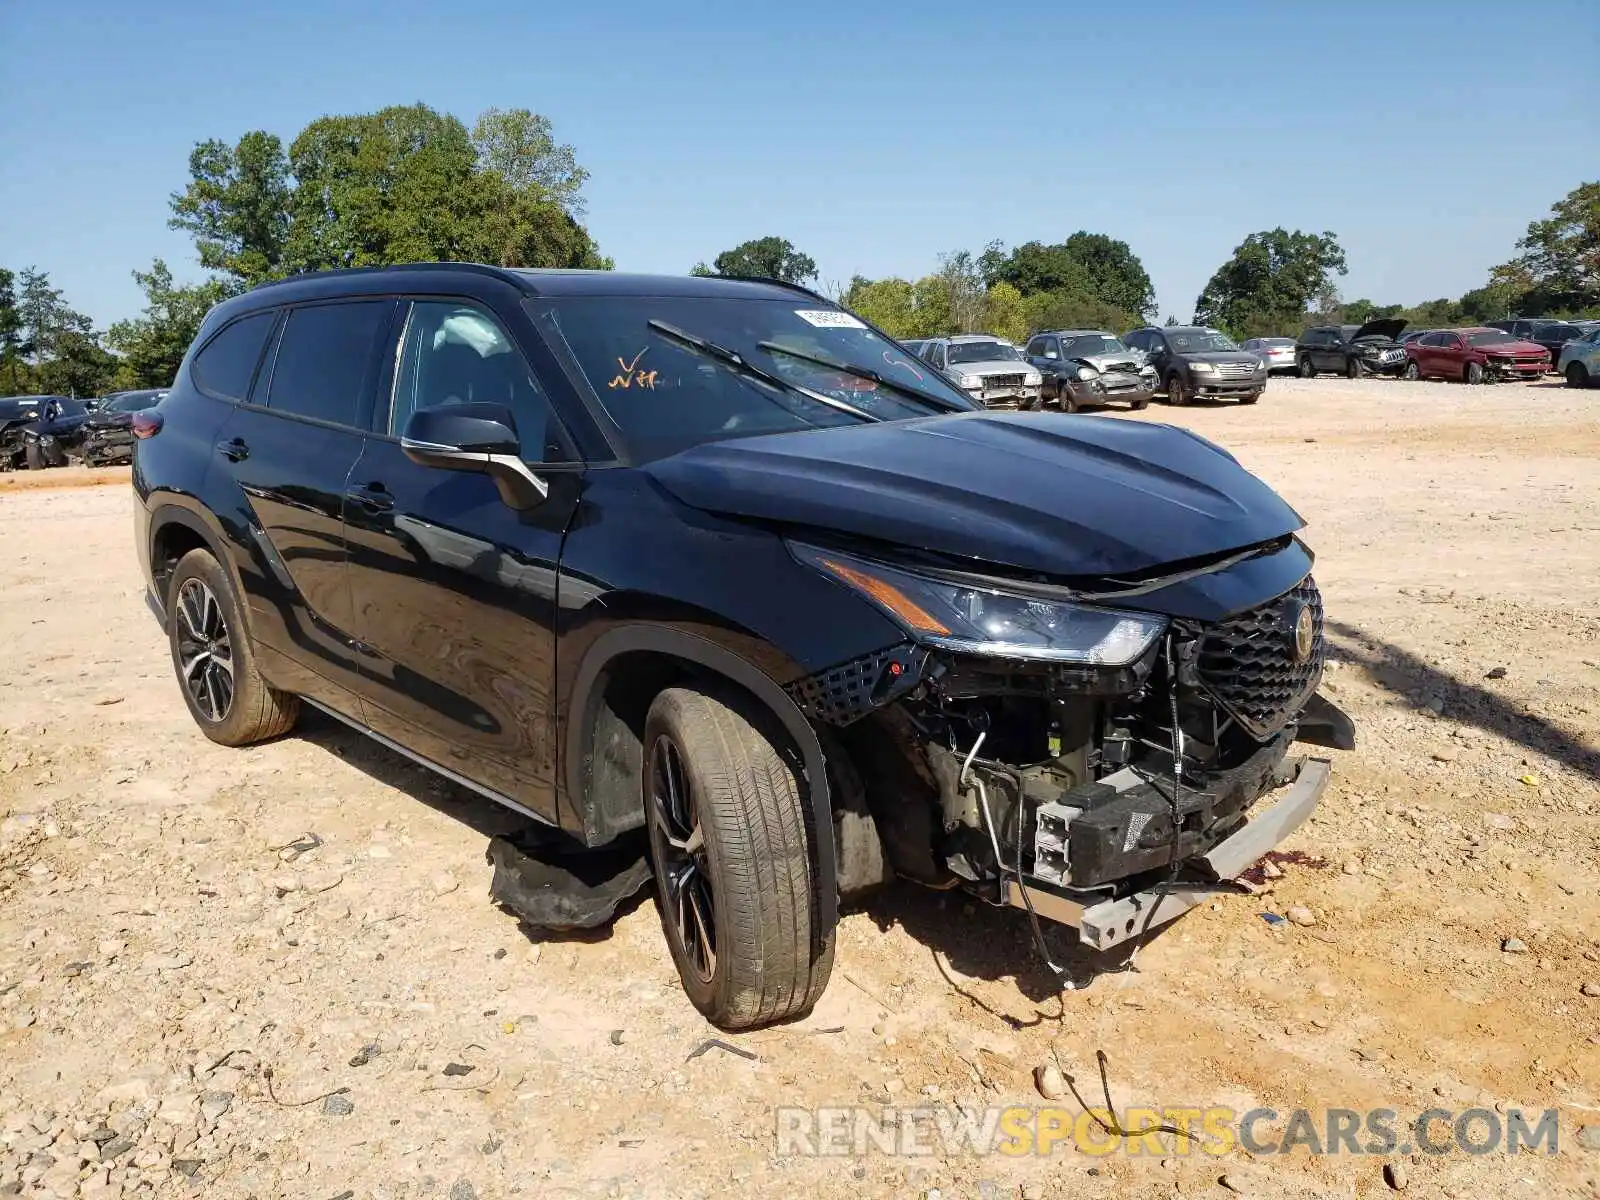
(409, 184)
(404, 184)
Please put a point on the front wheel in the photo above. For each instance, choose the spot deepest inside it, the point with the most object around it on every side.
(1065, 398)
(1307, 371)
(1177, 393)
(1577, 375)
(735, 865)
(1352, 369)
(1474, 372)
(1250, 399)
(1141, 403)
(214, 661)
(1413, 372)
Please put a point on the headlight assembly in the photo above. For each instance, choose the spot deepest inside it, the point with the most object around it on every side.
(1202, 368)
(982, 620)
(1084, 374)
(1032, 379)
(970, 381)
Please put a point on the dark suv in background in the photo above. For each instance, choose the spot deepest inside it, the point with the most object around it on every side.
(1195, 360)
(1352, 350)
(715, 560)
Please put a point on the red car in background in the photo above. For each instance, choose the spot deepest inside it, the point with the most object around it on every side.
(1474, 355)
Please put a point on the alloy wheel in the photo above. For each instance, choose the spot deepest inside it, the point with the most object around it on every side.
(205, 650)
(684, 868)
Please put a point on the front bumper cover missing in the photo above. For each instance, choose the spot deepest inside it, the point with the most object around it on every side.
(1107, 923)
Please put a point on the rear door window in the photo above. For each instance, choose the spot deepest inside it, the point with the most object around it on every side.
(324, 358)
(227, 363)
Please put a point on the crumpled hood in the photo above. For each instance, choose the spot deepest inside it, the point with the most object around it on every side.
(1129, 361)
(1060, 494)
(989, 366)
(1383, 327)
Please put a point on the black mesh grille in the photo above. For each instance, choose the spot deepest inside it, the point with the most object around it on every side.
(851, 690)
(1249, 662)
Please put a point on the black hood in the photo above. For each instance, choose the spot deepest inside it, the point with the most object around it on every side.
(1384, 327)
(1063, 495)
(108, 419)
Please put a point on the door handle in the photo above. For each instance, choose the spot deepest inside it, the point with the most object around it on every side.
(373, 497)
(234, 450)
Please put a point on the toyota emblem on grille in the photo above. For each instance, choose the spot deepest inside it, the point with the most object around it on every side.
(1302, 630)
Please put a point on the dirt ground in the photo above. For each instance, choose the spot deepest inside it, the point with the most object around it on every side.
(188, 1005)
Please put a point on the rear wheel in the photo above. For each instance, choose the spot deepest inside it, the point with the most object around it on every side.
(1577, 375)
(1307, 371)
(1413, 372)
(1473, 373)
(734, 859)
(1177, 392)
(214, 661)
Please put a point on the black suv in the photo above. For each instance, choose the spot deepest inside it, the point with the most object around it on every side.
(38, 431)
(1352, 350)
(715, 559)
(1195, 360)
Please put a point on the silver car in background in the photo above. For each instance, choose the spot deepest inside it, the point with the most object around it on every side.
(989, 369)
(1276, 352)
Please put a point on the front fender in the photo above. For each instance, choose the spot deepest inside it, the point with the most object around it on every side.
(708, 655)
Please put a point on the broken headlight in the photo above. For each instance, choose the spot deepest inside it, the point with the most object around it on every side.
(986, 620)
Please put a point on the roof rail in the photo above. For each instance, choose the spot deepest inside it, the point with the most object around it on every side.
(480, 268)
(783, 283)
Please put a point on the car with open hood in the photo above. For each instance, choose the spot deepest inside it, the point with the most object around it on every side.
(1352, 350)
(1090, 366)
(989, 369)
(709, 575)
(1196, 361)
(40, 431)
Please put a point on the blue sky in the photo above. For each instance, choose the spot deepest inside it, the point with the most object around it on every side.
(874, 136)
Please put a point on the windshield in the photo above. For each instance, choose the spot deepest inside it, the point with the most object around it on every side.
(1199, 341)
(971, 352)
(1095, 343)
(666, 396)
(1491, 337)
(16, 406)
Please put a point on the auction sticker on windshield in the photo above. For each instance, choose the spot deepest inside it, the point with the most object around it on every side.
(828, 318)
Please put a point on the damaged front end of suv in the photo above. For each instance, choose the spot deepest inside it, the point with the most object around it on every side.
(1092, 710)
(1099, 766)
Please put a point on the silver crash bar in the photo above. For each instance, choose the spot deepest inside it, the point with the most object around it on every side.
(1108, 922)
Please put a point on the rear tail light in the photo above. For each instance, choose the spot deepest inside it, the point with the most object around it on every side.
(146, 424)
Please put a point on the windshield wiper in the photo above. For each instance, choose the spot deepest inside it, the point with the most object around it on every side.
(863, 373)
(733, 359)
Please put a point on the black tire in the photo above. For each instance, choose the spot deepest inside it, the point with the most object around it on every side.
(740, 823)
(34, 453)
(1353, 368)
(1412, 371)
(1577, 375)
(1251, 398)
(1307, 369)
(1141, 403)
(1065, 398)
(214, 660)
(1473, 373)
(1177, 393)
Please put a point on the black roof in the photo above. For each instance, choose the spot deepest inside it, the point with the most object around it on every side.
(355, 281)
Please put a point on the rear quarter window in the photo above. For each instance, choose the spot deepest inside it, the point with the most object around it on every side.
(227, 363)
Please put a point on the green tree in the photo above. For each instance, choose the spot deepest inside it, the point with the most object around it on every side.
(520, 147)
(236, 206)
(930, 305)
(1270, 282)
(78, 365)
(1115, 273)
(1075, 310)
(154, 343)
(762, 258)
(887, 303)
(1559, 264)
(1035, 267)
(1005, 312)
(44, 316)
(961, 281)
(12, 347)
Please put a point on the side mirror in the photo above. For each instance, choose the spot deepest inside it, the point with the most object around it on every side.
(474, 437)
